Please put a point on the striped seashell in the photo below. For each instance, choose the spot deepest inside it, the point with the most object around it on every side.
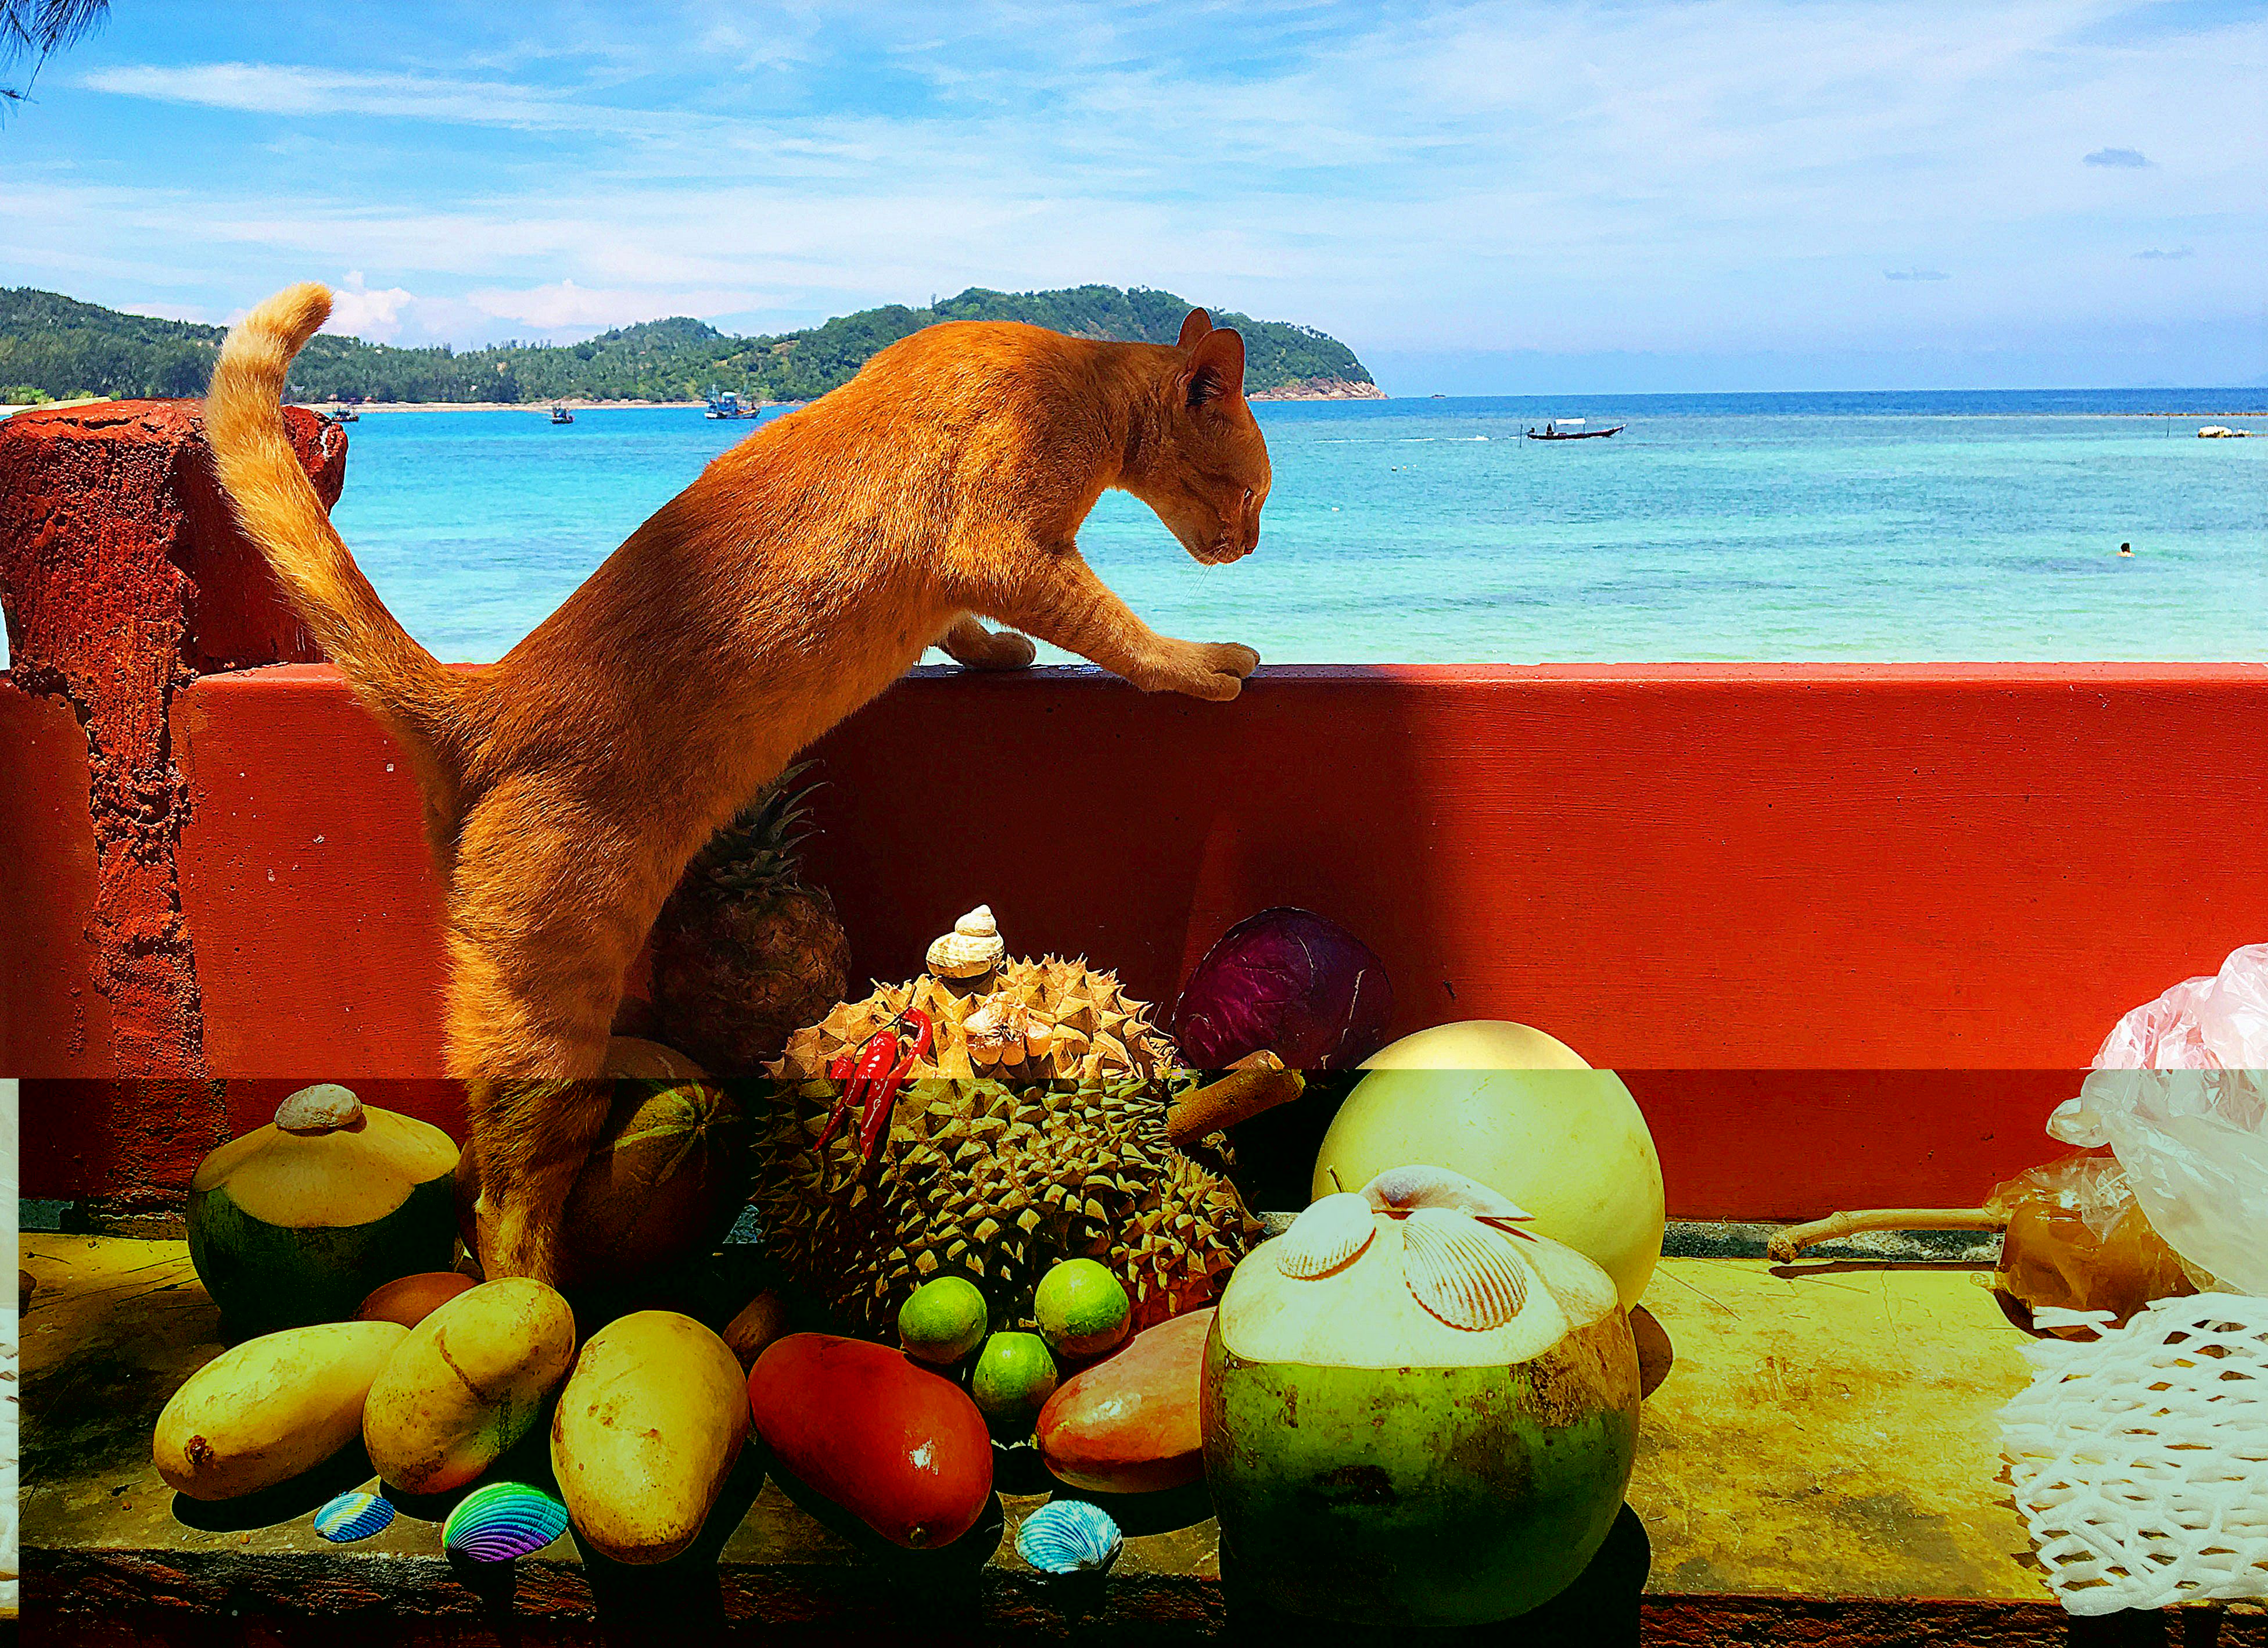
(1400, 1189)
(1462, 1271)
(353, 1516)
(1069, 1536)
(1330, 1233)
(502, 1521)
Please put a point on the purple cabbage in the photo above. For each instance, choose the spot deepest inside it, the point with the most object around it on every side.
(1289, 982)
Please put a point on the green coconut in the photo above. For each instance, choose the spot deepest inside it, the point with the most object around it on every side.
(299, 1222)
(1521, 1113)
(1372, 1460)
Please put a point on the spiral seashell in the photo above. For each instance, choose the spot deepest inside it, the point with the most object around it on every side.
(1330, 1233)
(1069, 1536)
(1461, 1270)
(502, 1521)
(973, 947)
(1400, 1189)
(353, 1516)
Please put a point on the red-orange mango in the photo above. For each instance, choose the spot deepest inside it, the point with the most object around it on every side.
(1130, 1424)
(409, 1300)
(900, 1448)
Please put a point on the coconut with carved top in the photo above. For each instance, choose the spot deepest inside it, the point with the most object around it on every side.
(299, 1222)
(1466, 1397)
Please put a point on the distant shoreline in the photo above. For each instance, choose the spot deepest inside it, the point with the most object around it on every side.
(514, 406)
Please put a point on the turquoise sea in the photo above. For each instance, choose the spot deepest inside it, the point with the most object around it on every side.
(1953, 526)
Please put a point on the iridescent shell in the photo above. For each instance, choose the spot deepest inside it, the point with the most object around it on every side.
(1329, 1234)
(353, 1516)
(1069, 1536)
(1463, 1271)
(502, 1521)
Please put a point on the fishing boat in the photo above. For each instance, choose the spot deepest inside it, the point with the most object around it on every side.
(560, 414)
(725, 403)
(1553, 430)
(345, 413)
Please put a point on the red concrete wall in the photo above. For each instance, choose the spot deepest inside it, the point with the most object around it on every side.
(1850, 932)
(123, 579)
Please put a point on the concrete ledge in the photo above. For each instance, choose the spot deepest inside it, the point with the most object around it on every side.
(1821, 1465)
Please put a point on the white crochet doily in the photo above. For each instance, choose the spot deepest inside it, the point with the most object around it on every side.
(2140, 1458)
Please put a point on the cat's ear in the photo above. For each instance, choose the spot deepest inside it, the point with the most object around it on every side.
(1194, 325)
(1215, 371)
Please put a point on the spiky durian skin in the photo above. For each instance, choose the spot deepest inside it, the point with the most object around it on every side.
(997, 1183)
(1101, 1033)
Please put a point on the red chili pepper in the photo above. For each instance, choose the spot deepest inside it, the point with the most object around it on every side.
(874, 1059)
(840, 1070)
(885, 1096)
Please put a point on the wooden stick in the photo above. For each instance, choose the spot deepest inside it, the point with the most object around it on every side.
(1796, 1237)
(1237, 1097)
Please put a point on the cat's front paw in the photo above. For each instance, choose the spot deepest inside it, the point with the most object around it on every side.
(1003, 649)
(1206, 670)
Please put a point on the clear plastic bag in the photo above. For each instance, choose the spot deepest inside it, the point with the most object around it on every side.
(2180, 1094)
(2078, 1240)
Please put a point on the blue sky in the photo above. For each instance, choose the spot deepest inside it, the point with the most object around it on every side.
(1619, 196)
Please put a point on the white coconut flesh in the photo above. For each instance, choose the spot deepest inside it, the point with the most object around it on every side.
(1364, 1314)
(354, 1176)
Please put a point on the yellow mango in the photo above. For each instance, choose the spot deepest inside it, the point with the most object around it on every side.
(645, 1433)
(270, 1409)
(467, 1383)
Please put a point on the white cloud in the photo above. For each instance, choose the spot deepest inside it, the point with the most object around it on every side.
(375, 316)
(286, 89)
(1732, 173)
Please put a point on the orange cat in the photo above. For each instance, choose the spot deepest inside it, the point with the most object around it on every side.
(567, 785)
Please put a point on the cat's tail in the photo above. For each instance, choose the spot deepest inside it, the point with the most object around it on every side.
(402, 683)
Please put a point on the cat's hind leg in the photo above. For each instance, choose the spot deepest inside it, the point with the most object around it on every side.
(550, 900)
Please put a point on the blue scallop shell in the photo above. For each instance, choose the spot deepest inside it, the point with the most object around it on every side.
(1069, 1536)
(353, 1516)
(502, 1521)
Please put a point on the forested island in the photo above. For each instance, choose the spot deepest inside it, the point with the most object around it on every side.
(53, 348)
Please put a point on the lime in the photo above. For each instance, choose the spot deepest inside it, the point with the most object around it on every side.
(1082, 1308)
(943, 1321)
(1014, 1378)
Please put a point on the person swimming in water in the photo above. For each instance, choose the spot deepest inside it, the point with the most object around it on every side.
(2126, 549)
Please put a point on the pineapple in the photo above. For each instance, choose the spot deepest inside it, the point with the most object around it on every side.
(744, 952)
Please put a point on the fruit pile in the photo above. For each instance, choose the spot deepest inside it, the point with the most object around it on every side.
(1073, 1152)
(439, 1382)
(904, 1440)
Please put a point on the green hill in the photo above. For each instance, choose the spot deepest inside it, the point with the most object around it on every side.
(60, 347)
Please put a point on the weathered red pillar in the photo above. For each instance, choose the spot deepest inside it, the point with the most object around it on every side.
(124, 578)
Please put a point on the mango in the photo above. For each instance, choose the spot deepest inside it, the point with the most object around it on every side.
(651, 1419)
(465, 1383)
(902, 1448)
(1130, 1424)
(270, 1409)
(409, 1300)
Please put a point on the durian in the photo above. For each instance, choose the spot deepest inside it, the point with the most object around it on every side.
(997, 1182)
(1045, 1020)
